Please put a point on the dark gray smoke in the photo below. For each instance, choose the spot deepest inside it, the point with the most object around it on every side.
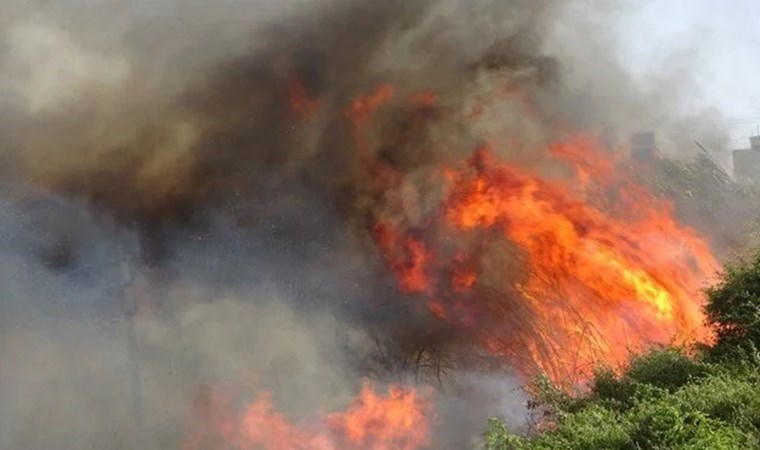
(209, 145)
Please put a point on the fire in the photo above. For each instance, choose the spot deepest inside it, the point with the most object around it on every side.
(615, 282)
(364, 106)
(399, 420)
(395, 422)
(407, 256)
(599, 265)
(361, 111)
(266, 429)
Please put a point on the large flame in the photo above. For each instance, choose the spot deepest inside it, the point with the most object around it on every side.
(599, 283)
(398, 420)
(593, 265)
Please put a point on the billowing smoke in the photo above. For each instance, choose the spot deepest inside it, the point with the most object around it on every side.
(222, 149)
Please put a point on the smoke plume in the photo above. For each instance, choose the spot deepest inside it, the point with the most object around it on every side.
(239, 155)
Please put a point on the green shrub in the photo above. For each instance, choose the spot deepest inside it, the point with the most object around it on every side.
(733, 309)
(613, 392)
(665, 425)
(592, 428)
(663, 400)
(731, 399)
(666, 368)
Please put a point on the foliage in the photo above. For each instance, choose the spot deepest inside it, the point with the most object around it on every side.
(668, 398)
(699, 406)
(734, 308)
(667, 368)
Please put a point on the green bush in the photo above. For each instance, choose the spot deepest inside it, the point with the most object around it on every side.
(666, 368)
(713, 412)
(731, 399)
(733, 309)
(665, 425)
(593, 427)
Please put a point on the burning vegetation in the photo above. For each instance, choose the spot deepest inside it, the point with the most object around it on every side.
(397, 420)
(374, 209)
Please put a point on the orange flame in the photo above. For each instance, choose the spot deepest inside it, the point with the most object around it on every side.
(598, 284)
(407, 256)
(364, 106)
(266, 429)
(399, 420)
(395, 422)
(607, 267)
(361, 111)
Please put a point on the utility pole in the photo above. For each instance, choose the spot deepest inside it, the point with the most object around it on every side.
(129, 306)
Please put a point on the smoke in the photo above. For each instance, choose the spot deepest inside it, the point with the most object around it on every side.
(157, 114)
(220, 147)
(66, 380)
(604, 91)
(68, 386)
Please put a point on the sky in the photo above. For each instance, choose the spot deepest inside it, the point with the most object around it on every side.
(723, 39)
